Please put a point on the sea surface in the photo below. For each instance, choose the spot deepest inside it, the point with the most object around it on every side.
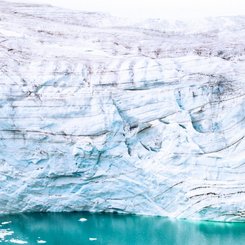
(113, 229)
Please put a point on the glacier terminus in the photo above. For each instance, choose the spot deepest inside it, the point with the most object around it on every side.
(104, 114)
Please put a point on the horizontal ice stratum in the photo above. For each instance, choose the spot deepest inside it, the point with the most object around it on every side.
(103, 114)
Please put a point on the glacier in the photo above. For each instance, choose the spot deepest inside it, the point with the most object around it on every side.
(104, 114)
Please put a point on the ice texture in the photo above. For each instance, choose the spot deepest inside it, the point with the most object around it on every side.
(100, 114)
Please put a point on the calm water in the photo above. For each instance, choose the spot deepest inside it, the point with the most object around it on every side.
(111, 229)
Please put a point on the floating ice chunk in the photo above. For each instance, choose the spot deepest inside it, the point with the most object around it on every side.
(92, 239)
(41, 241)
(4, 233)
(17, 241)
(82, 220)
(6, 222)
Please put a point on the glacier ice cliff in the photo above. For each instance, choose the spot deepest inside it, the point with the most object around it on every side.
(99, 113)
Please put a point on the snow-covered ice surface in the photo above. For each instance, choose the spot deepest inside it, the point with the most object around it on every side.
(101, 114)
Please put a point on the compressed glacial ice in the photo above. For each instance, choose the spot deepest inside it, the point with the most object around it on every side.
(101, 114)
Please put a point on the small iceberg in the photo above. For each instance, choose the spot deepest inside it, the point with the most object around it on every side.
(17, 241)
(41, 241)
(4, 233)
(92, 239)
(6, 222)
(82, 220)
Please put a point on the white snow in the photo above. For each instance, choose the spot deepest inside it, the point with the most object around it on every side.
(8, 33)
(139, 9)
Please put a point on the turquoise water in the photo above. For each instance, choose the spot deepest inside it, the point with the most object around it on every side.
(112, 229)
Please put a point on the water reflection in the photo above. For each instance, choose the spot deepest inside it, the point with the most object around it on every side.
(111, 229)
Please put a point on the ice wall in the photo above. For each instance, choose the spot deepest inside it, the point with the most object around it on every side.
(100, 114)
